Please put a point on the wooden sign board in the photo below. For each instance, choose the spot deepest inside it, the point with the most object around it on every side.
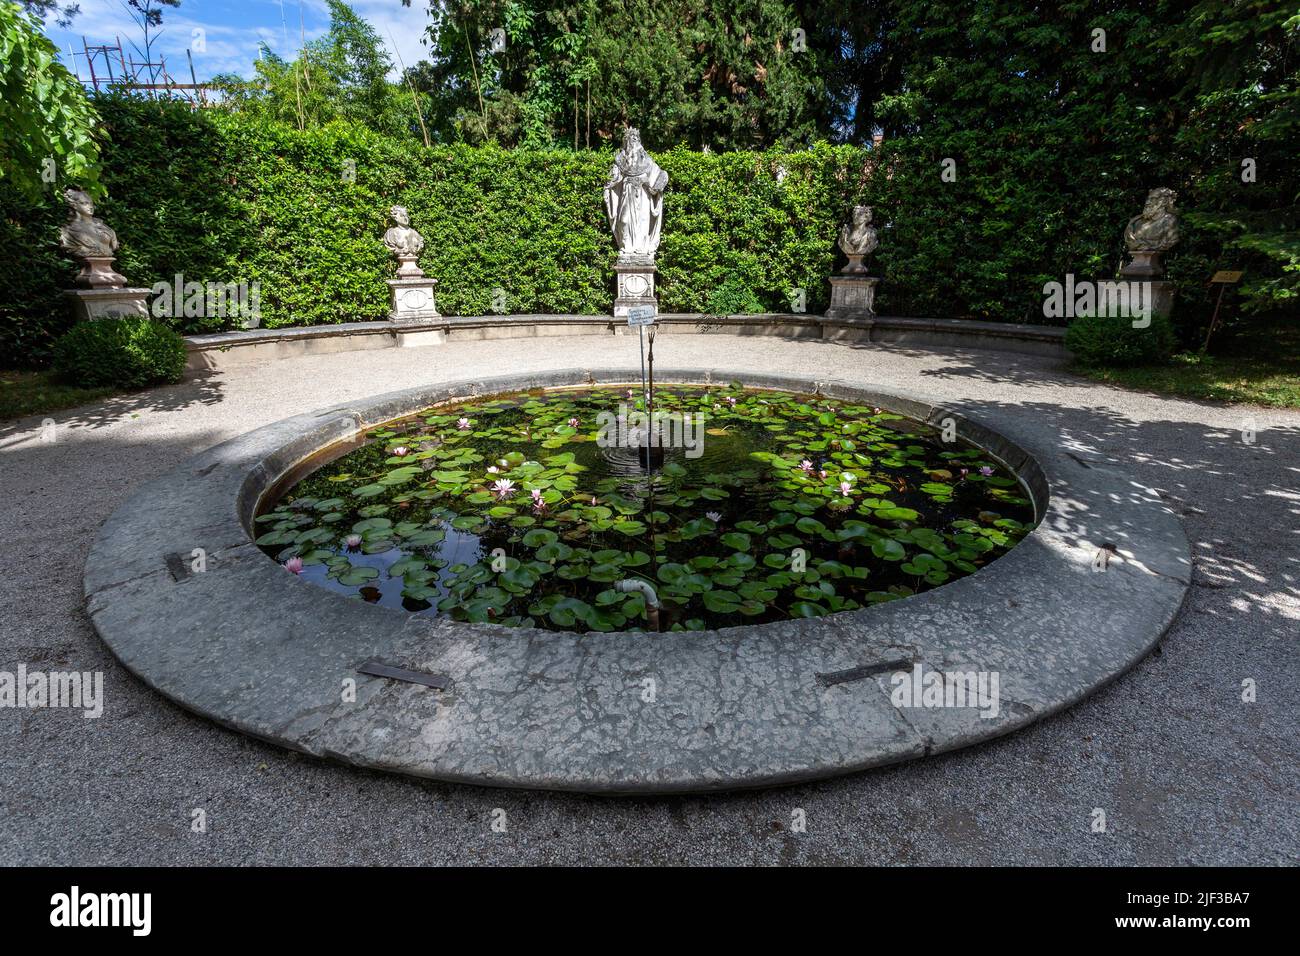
(1227, 277)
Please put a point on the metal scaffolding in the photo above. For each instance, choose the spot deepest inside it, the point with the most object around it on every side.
(110, 68)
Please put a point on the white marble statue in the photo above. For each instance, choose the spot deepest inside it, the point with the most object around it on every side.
(634, 199)
(1151, 234)
(1155, 229)
(405, 243)
(858, 239)
(91, 241)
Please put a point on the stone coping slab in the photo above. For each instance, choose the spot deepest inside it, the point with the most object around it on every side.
(216, 349)
(261, 651)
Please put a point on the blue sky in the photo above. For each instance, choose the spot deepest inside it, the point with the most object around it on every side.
(233, 29)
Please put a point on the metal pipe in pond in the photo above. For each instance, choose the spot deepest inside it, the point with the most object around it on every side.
(646, 590)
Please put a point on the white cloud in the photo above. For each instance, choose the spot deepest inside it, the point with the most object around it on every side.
(401, 28)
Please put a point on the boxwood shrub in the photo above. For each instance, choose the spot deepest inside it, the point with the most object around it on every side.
(1103, 340)
(124, 353)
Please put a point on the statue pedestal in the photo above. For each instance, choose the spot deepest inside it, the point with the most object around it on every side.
(852, 295)
(1149, 268)
(1158, 292)
(108, 303)
(97, 272)
(636, 284)
(412, 300)
(1145, 265)
(408, 268)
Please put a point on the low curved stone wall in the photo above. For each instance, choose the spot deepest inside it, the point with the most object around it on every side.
(261, 345)
(1079, 601)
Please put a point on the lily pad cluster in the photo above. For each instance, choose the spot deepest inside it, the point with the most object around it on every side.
(516, 510)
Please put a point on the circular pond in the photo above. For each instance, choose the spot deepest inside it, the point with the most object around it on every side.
(574, 509)
(789, 698)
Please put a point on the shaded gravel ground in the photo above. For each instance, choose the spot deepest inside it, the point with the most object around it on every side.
(1185, 771)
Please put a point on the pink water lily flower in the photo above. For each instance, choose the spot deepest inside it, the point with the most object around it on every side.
(503, 487)
(352, 542)
(806, 466)
(463, 424)
(731, 401)
(538, 503)
(965, 472)
(845, 488)
(293, 565)
(713, 516)
(573, 423)
(986, 471)
(493, 469)
(401, 451)
(821, 473)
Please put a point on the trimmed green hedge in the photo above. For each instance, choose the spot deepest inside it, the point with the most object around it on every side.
(225, 198)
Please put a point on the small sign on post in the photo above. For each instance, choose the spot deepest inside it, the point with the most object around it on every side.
(640, 315)
(1223, 278)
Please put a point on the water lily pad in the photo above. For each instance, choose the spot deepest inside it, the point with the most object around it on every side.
(556, 551)
(736, 540)
(908, 522)
(539, 537)
(358, 575)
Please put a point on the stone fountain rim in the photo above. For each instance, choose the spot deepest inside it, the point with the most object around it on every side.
(746, 706)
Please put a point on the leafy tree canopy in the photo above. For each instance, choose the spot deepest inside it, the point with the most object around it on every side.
(47, 126)
(341, 76)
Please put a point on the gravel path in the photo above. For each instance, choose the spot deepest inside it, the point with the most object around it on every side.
(1184, 770)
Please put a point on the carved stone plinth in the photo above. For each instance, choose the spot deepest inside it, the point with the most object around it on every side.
(97, 272)
(855, 266)
(636, 284)
(119, 303)
(409, 268)
(852, 295)
(1159, 293)
(413, 300)
(1145, 265)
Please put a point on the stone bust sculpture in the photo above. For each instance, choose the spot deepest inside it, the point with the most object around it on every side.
(85, 236)
(1156, 228)
(91, 240)
(401, 239)
(634, 198)
(858, 237)
(404, 242)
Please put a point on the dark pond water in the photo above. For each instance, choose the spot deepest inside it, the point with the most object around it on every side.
(527, 509)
